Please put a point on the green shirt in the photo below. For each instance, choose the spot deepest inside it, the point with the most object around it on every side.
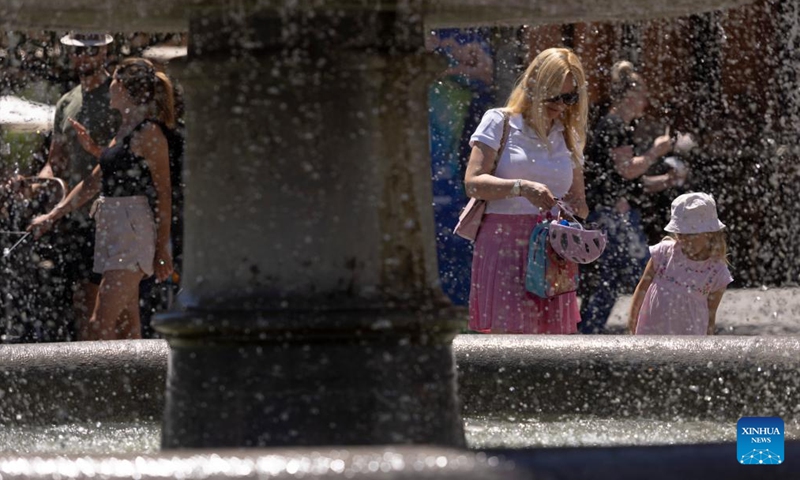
(92, 110)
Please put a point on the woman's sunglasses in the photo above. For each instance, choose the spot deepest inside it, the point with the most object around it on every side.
(568, 98)
(87, 51)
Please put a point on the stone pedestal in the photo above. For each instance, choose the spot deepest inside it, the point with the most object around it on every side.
(311, 312)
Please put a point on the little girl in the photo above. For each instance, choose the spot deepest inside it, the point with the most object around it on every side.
(684, 280)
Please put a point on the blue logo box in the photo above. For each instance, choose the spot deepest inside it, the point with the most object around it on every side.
(759, 440)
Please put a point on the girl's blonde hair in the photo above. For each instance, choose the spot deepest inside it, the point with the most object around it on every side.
(717, 243)
(543, 79)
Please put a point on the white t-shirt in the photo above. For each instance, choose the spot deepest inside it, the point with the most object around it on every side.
(526, 157)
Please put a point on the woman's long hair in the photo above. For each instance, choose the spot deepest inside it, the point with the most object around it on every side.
(543, 79)
(148, 87)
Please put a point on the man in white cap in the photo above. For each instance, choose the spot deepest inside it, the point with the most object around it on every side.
(88, 103)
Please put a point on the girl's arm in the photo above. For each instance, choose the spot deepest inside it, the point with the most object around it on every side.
(638, 295)
(82, 193)
(714, 299)
(576, 196)
(480, 183)
(151, 144)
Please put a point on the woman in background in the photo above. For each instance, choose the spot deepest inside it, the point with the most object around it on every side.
(133, 213)
(617, 183)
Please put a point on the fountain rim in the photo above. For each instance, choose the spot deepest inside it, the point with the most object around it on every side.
(414, 325)
(173, 15)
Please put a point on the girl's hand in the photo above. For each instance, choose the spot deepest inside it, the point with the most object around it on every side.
(162, 264)
(41, 225)
(84, 138)
(538, 194)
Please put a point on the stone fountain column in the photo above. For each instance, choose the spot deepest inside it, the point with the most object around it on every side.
(311, 312)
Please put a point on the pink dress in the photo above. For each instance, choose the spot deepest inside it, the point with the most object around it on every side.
(677, 301)
(498, 301)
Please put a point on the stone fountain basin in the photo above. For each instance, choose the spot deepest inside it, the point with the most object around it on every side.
(662, 377)
(500, 376)
(711, 378)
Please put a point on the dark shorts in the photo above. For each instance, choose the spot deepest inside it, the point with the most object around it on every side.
(75, 246)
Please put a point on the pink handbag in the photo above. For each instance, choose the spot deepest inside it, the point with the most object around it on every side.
(469, 220)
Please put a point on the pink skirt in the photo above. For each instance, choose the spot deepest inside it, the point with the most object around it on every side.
(498, 301)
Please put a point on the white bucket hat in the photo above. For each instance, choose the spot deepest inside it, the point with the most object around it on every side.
(86, 39)
(694, 213)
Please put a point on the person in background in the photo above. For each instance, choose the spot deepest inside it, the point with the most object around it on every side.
(542, 161)
(617, 181)
(134, 211)
(88, 104)
(457, 100)
(686, 276)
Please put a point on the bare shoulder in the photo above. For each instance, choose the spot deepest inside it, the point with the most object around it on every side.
(148, 136)
(150, 129)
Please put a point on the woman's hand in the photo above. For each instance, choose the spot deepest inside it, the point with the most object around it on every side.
(538, 194)
(162, 264)
(677, 176)
(41, 225)
(85, 139)
(662, 145)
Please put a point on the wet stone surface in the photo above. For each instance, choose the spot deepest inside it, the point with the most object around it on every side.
(483, 432)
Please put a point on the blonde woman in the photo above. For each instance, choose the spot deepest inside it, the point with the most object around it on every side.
(134, 209)
(542, 161)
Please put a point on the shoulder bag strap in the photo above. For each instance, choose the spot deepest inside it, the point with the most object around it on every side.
(503, 140)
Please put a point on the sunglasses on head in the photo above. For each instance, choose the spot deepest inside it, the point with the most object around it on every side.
(87, 51)
(568, 98)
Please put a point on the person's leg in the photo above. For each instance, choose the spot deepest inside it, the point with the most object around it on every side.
(119, 291)
(641, 254)
(599, 302)
(600, 295)
(619, 269)
(76, 250)
(84, 298)
(129, 323)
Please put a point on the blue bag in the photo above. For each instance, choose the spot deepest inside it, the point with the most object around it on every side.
(547, 274)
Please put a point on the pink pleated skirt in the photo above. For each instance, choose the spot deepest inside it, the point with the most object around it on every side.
(498, 301)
